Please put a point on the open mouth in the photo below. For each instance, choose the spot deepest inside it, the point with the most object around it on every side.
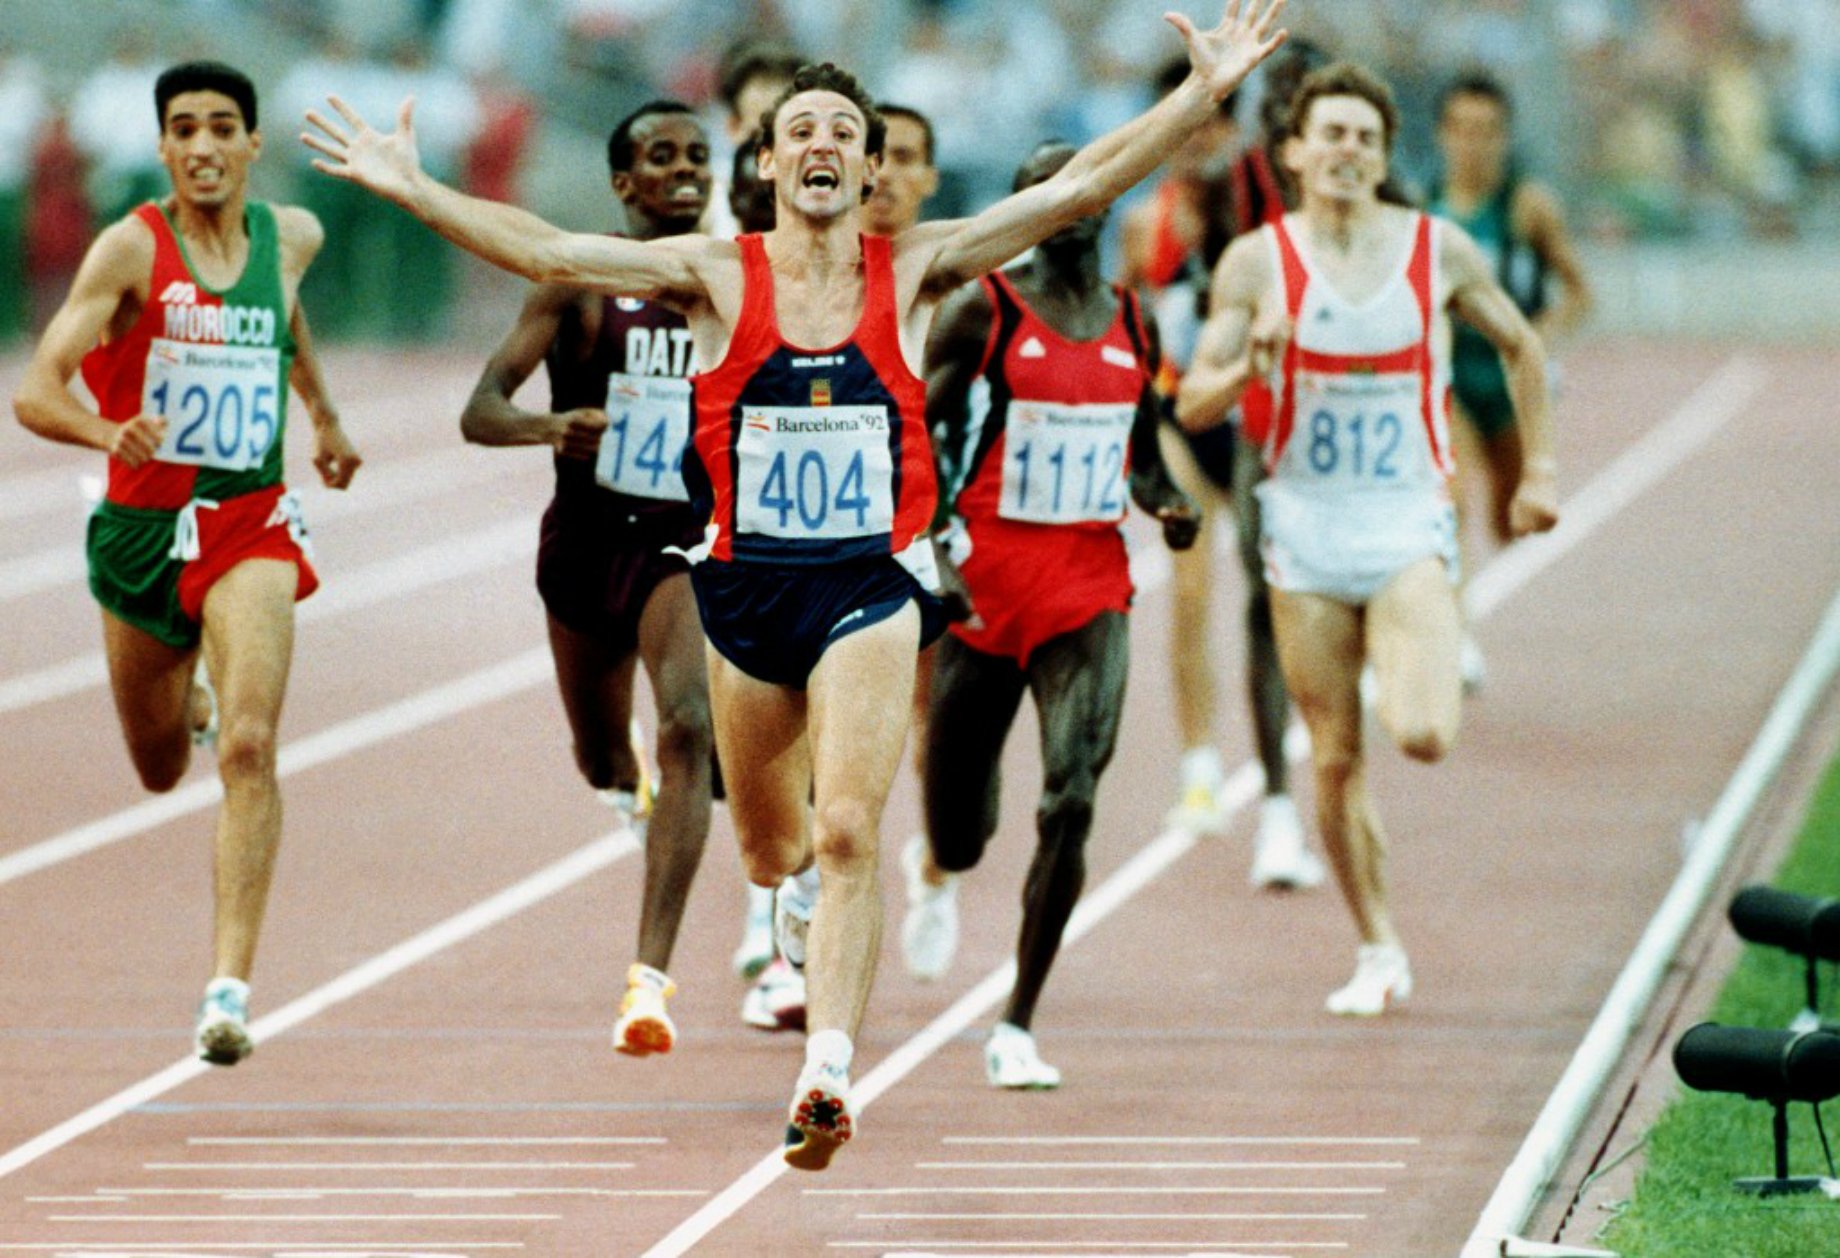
(821, 177)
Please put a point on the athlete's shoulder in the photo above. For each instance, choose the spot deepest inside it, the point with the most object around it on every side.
(123, 250)
(299, 232)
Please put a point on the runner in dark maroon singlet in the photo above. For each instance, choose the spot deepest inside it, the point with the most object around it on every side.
(619, 419)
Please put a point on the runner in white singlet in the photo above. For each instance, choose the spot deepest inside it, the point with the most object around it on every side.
(1342, 308)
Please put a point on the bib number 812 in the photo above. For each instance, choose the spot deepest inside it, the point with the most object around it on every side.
(1350, 444)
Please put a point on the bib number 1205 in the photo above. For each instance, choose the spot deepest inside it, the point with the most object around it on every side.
(221, 403)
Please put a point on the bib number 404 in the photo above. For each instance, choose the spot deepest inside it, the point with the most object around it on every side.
(804, 488)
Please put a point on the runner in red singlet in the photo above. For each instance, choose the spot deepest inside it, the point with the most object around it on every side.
(186, 323)
(1039, 384)
(1344, 307)
(619, 418)
(812, 460)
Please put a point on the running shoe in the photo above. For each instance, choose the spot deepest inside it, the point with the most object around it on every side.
(1199, 810)
(1281, 857)
(644, 1027)
(1473, 665)
(222, 1035)
(625, 805)
(929, 931)
(756, 948)
(819, 1122)
(1011, 1061)
(776, 1001)
(792, 906)
(204, 735)
(1382, 979)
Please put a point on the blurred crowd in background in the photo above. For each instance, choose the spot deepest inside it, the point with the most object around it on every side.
(1655, 119)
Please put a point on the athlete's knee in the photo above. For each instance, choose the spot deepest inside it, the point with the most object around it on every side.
(1423, 739)
(1066, 809)
(246, 749)
(843, 832)
(685, 732)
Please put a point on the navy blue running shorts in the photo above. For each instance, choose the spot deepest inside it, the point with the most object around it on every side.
(775, 621)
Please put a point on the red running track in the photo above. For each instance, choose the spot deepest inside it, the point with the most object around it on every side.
(458, 1096)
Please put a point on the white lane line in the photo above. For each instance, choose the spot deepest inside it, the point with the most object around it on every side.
(507, 1141)
(424, 1193)
(1160, 1166)
(1638, 469)
(279, 1249)
(546, 882)
(1072, 1216)
(45, 570)
(1100, 1191)
(464, 555)
(302, 1218)
(1167, 1141)
(1210, 1248)
(387, 1166)
(487, 685)
(1709, 408)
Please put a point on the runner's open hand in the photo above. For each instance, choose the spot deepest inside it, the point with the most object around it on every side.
(386, 164)
(577, 434)
(1224, 56)
(334, 456)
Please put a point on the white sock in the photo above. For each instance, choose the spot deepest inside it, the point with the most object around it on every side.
(234, 986)
(759, 903)
(830, 1048)
(1201, 766)
(808, 881)
(653, 978)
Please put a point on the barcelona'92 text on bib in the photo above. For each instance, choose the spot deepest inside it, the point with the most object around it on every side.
(220, 402)
(1065, 464)
(814, 472)
(648, 425)
(1352, 428)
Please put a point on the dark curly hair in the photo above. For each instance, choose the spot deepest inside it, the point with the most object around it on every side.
(205, 76)
(829, 78)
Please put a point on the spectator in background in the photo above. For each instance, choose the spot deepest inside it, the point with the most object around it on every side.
(750, 79)
(112, 128)
(58, 220)
(24, 111)
(507, 120)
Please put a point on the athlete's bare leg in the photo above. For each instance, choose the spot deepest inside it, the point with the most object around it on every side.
(152, 683)
(860, 683)
(1320, 642)
(1078, 682)
(975, 700)
(1191, 636)
(1413, 633)
(596, 684)
(671, 645)
(766, 769)
(1265, 684)
(249, 647)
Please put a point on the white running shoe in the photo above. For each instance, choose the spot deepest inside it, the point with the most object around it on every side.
(205, 735)
(1011, 1061)
(792, 905)
(222, 1034)
(1281, 857)
(1369, 687)
(776, 1001)
(1382, 979)
(929, 931)
(1198, 810)
(1473, 666)
(644, 1026)
(819, 1121)
(755, 950)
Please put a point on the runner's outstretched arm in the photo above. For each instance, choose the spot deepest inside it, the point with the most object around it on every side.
(504, 235)
(1219, 59)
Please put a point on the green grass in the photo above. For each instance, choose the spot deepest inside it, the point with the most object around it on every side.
(1684, 1204)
